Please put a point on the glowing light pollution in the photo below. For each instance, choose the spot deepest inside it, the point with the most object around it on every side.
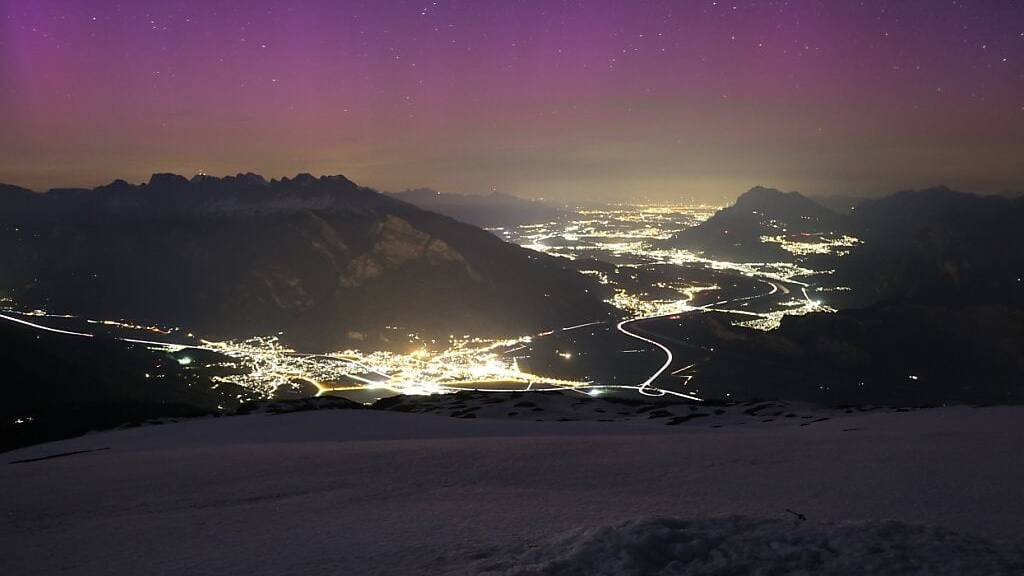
(262, 366)
(611, 99)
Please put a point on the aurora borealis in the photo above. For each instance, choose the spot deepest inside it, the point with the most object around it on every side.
(566, 100)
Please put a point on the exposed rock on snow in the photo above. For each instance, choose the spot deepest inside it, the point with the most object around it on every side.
(739, 545)
(575, 406)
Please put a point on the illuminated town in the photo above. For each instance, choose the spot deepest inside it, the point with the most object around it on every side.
(625, 237)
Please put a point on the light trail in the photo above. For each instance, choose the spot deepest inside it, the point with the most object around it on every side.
(645, 387)
(683, 369)
(632, 235)
(642, 388)
(46, 328)
(267, 366)
(270, 367)
(567, 328)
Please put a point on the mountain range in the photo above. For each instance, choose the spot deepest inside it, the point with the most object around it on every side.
(897, 354)
(933, 314)
(935, 246)
(938, 247)
(735, 232)
(57, 385)
(323, 261)
(495, 210)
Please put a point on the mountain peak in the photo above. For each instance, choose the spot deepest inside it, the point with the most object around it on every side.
(252, 178)
(167, 180)
(12, 190)
(763, 190)
(760, 198)
(304, 178)
(249, 192)
(781, 204)
(240, 256)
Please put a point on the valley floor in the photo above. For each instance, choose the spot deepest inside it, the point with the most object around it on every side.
(375, 492)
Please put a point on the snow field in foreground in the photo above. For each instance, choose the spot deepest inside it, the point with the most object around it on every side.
(739, 545)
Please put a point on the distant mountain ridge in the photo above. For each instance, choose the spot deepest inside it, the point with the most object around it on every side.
(932, 310)
(889, 354)
(325, 261)
(240, 193)
(935, 246)
(485, 210)
(735, 231)
(840, 204)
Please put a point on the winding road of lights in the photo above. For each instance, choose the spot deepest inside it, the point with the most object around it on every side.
(264, 365)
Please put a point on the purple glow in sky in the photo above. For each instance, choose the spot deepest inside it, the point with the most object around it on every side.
(584, 99)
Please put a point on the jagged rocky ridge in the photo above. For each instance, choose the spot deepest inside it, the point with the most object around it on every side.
(486, 210)
(324, 261)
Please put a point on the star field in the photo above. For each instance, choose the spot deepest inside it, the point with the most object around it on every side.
(570, 99)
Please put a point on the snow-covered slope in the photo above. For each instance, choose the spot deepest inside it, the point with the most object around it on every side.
(575, 406)
(738, 545)
(379, 492)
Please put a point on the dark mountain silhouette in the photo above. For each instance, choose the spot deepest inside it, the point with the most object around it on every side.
(15, 197)
(734, 233)
(937, 246)
(488, 211)
(885, 354)
(938, 274)
(934, 246)
(57, 385)
(838, 203)
(324, 261)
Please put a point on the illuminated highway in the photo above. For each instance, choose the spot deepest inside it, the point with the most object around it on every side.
(629, 238)
(648, 283)
(44, 328)
(645, 387)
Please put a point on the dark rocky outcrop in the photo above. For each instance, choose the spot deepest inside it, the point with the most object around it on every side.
(324, 261)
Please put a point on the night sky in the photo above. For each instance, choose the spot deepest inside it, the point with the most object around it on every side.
(585, 99)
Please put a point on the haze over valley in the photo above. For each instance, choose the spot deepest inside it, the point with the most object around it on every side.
(300, 287)
(602, 288)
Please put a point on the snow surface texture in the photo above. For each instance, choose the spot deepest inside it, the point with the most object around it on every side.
(736, 545)
(567, 407)
(359, 492)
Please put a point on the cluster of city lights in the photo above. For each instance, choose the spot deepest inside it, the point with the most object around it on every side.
(635, 233)
(641, 306)
(808, 244)
(265, 367)
(132, 326)
(619, 230)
